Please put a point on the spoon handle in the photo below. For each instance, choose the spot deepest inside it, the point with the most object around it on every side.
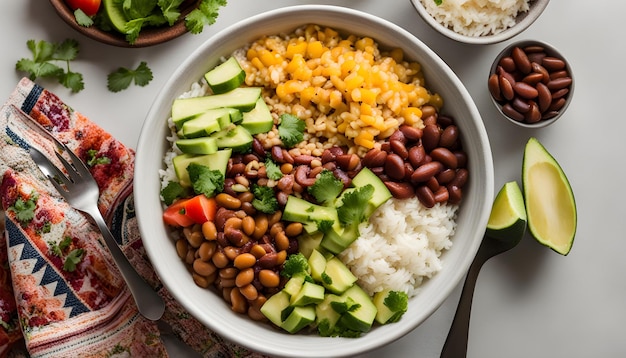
(456, 343)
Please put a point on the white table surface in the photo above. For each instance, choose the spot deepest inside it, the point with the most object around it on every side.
(529, 302)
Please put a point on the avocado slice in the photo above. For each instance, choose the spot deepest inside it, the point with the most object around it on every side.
(215, 161)
(259, 119)
(300, 210)
(309, 242)
(202, 145)
(325, 314)
(300, 317)
(317, 263)
(241, 98)
(310, 293)
(381, 193)
(337, 278)
(274, 306)
(361, 318)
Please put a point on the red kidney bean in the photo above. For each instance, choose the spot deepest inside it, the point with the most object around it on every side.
(461, 158)
(432, 184)
(374, 158)
(533, 78)
(425, 172)
(411, 133)
(446, 176)
(304, 159)
(522, 62)
(449, 136)
(399, 148)
(520, 105)
(400, 190)
(533, 115)
(462, 175)
(511, 112)
(560, 93)
(277, 154)
(430, 137)
(408, 171)
(507, 63)
(394, 166)
(552, 63)
(540, 69)
(525, 90)
(425, 196)
(417, 154)
(454, 194)
(559, 74)
(557, 104)
(506, 88)
(444, 156)
(441, 195)
(494, 87)
(544, 97)
(302, 176)
(559, 83)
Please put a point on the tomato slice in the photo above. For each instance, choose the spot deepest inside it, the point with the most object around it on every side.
(201, 209)
(89, 7)
(174, 215)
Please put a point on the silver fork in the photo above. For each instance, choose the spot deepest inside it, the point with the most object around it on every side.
(80, 190)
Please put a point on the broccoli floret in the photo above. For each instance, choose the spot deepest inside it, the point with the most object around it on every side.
(326, 188)
(204, 180)
(398, 302)
(294, 264)
(264, 199)
(172, 191)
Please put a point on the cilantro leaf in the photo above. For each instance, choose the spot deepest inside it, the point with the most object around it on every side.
(94, 159)
(170, 10)
(172, 191)
(272, 169)
(291, 130)
(352, 211)
(397, 302)
(83, 19)
(121, 78)
(72, 259)
(204, 180)
(43, 65)
(264, 199)
(205, 14)
(25, 209)
(326, 188)
(295, 263)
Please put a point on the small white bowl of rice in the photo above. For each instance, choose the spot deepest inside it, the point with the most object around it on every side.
(424, 250)
(480, 22)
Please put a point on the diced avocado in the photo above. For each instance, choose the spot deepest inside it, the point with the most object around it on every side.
(294, 285)
(339, 238)
(241, 98)
(206, 123)
(317, 263)
(202, 145)
(325, 312)
(225, 76)
(215, 161)
(381, 193)
(235, 137)
(361, 318)
(337, 278)
(259, 119)
(274, 307)
(300, 317)
(310, 293)
(308, 242)
(300, 210)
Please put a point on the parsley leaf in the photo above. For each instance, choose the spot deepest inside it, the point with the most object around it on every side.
(397, 302)
(170, 10)
(72, 259)
(25, 209)
(264, 199)
(121, 78)
(291, 130)
(43, 64)
(326, 188)
(204, 180)
(272, 169)
(205, 14)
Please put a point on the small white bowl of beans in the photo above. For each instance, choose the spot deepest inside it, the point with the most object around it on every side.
(531, 83)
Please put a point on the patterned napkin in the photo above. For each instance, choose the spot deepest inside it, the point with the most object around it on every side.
(61, 294)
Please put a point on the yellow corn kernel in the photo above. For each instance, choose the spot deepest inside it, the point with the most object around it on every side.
(256, 62)
(268, 58)
(353, 81)
(329, 33)
(347, 66)
(412, 115)
(368, 120)
(336, 99)
(335, 52)
(341, 127)
(332, 70)
(368, 96)
(436, 101)
(365, 139)
(315, 49)
(296, 62)
(366, 109)
(251, 53)
(347, 44)
(306, 95)
(296, 48)
(397, 54)
(365, 44)
(379, 123)
(339, 84)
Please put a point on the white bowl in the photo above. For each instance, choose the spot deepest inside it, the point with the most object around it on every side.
(522, 22)
(210, 308)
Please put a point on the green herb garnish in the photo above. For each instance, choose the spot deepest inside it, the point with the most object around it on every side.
(121, 78)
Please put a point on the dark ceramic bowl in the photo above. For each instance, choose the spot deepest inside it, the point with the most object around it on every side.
(147, 37)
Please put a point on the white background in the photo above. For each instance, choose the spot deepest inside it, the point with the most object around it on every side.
(530, 302)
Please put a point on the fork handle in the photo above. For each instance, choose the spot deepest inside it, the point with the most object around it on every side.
(148, 301)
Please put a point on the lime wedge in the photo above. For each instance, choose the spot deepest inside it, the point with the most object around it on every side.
(550, 203)
(115, 13)
(507, 221)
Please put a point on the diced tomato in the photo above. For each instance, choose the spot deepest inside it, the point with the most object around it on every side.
(174, 215)
(89, 7)
(201, 209)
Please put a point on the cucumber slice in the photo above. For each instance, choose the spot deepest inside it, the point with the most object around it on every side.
(242, 98)
(202, 145)
(215, 161)
(226, 76)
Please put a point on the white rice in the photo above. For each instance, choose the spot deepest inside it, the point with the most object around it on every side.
(401, 245)
(476, 17)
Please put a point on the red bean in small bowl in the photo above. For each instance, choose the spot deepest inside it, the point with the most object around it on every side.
(531, 83)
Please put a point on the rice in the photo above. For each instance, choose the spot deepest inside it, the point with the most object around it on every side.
(476, 17)
(401, 245)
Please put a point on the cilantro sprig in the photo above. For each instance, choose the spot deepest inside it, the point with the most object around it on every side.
(205, 14)
(291, 130)
(24, 209)
(121, 78)
(47, 61)
(72, 257)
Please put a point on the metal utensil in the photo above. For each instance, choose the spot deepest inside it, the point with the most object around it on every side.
(456, 342)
